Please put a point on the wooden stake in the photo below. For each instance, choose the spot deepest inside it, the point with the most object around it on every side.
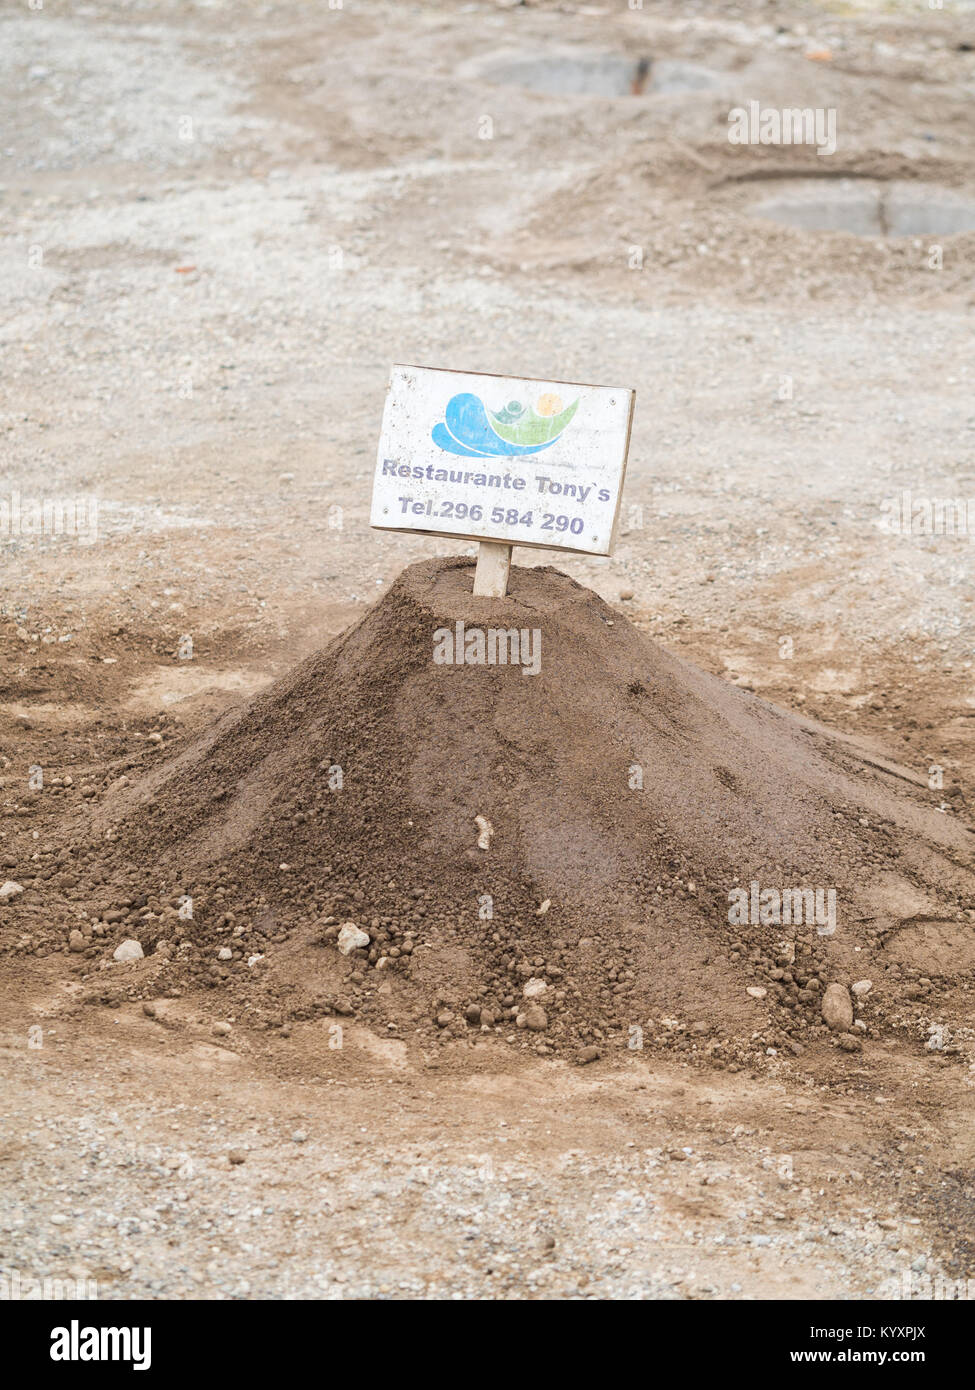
(493, 564)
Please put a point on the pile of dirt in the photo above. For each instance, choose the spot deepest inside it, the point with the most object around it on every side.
(626, 797)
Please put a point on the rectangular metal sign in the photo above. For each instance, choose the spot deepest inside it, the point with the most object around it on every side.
(502, 458)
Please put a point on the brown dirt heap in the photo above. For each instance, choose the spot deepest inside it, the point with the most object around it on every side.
(624, 788)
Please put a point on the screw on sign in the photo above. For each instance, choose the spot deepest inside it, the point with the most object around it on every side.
(504, 461)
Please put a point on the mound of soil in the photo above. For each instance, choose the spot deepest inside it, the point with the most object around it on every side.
(627, 795)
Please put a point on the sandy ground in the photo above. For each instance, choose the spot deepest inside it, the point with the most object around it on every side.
(221, 224)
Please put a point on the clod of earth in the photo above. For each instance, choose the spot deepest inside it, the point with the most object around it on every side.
(837, 1008)
(128, 950)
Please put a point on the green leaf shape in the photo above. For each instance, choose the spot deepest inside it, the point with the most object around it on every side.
(533, 428)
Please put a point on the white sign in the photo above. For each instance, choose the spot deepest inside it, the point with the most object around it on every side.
(503, 459)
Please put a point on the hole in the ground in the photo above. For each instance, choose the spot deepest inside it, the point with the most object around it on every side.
(866, 207)
(607, 75)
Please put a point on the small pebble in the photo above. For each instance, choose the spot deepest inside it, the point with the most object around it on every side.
(351, 938)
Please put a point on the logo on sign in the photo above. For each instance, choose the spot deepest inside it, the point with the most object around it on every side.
(468, 428)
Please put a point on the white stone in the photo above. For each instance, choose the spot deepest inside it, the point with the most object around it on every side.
(128, 950)
(862, 987)
(225, 953)
(837, 1008)
(10, 890)
(535, 988)
(756, 991)
(351, 938)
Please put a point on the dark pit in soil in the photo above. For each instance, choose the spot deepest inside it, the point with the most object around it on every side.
(866, 207)
(606, 75)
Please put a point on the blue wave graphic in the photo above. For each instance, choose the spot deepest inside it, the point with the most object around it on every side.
(466, 430)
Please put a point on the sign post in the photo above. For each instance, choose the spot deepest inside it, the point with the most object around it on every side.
(491, 571)
(504, 461)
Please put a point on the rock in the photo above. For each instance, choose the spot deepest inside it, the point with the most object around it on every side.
(299, 1137)
(444, 1018)
(225, 953)
(536, 1019)
(220, 1030)
(128, 950)
(473, 1013)
(76, 940)
(9, 890)
(487, 1018)
(236, 1156)
(850, 1043)
(863, 987)
(535, 988)
(150, 1010)
(587, 1055)
(757, 991)
(837, 1008)
(486, 831)
(351, 938)
(625, 595)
